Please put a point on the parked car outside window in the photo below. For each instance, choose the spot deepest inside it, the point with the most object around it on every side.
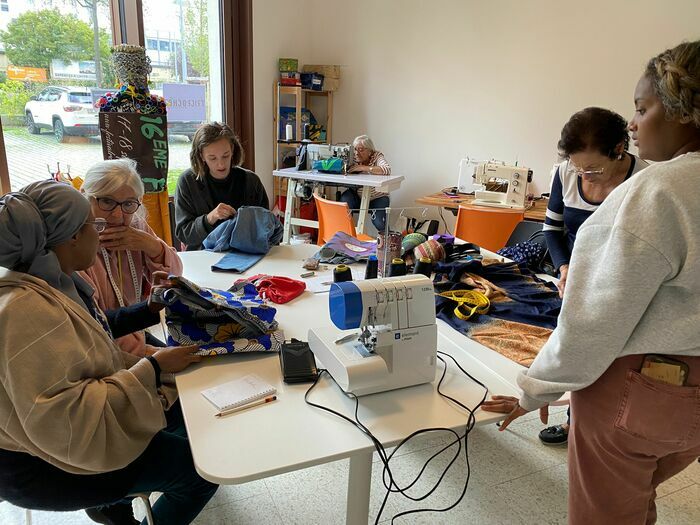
(64, 110)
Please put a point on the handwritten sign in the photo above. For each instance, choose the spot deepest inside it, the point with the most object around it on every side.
(143, 138)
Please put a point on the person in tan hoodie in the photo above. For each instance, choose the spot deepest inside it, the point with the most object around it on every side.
(82, 424)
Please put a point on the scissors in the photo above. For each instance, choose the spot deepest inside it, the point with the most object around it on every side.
(469, 302)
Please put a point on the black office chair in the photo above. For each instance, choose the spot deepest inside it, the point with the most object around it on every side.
(524, 231)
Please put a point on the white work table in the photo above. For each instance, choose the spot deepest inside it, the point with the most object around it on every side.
(288, 434)
(383, 183)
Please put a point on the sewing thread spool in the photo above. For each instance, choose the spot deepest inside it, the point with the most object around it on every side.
(423, 266)
(342, 273)
(398, 267)
(372, 266)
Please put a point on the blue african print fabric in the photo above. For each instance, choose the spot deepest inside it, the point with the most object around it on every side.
(220, 322)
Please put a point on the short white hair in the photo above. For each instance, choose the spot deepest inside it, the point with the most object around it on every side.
(108, 176)
(364, 141)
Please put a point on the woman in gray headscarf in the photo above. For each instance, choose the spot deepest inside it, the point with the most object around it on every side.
(82, 421)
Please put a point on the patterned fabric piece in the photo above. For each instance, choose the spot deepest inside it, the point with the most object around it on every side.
(343, 248)
(524, 308)
(220, 322)
(528, 253)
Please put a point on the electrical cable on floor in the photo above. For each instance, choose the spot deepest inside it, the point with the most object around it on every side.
(390, 484)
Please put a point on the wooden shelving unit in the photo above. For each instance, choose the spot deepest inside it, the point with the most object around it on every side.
(302, 98)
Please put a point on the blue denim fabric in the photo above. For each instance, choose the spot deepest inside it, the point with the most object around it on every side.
(251, 230)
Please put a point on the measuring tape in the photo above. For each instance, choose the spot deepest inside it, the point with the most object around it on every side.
(468, 302)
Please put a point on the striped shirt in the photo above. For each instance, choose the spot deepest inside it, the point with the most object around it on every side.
(377, 159)
(568, 209)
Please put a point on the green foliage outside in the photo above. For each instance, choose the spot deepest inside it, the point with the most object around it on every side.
(14, 95)
(196, 37)
(173, 176)
(35, 38)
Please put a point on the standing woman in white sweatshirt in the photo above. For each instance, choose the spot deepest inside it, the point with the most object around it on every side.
(633, 290)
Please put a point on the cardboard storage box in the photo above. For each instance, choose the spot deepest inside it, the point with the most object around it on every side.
(331, 75)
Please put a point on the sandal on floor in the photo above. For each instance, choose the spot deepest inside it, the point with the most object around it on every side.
(555, 435)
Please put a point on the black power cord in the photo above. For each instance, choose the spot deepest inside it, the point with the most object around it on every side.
(390, 484)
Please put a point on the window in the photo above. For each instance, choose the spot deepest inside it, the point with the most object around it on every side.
(59, 126)
(187, 71)
(185, 77)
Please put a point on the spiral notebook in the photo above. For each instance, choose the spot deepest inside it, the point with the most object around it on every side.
(238, 392)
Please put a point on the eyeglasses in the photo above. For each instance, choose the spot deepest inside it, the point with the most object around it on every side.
(99, 224)
(587, 173)
(128, 206)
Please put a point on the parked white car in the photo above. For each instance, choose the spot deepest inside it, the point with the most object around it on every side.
(64, 110)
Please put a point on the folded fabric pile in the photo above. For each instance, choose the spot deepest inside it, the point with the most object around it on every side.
(247, 236)
(523, 312)
(276, 288)
(220, 322)
(343, 248)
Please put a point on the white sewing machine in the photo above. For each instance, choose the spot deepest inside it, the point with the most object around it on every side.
(396, 345)
(511, 183)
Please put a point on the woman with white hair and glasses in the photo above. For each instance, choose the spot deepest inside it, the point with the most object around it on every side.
(372, 162)
(129, 252)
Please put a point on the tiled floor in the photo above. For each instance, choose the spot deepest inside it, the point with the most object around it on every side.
(514, 480)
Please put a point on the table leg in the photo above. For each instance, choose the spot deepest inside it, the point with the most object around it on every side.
(359, 482)
(288, 210)
(364, 206)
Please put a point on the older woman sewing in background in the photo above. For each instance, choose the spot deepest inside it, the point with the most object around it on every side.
(371, 162)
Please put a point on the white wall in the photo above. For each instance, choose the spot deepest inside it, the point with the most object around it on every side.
(279, 30)
(431, 81)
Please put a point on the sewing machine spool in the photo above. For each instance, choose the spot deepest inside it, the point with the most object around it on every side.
(342, 273)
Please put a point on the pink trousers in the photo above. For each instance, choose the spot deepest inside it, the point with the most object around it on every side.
(629, 433)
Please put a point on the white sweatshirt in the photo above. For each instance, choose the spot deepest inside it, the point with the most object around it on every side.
(633, 285)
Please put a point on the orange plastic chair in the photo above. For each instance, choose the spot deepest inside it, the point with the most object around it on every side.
(487, 227)
(334, 216)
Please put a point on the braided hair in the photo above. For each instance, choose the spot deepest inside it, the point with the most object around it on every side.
(675, 76)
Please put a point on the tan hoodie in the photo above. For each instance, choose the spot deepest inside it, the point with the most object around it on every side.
(66, 395)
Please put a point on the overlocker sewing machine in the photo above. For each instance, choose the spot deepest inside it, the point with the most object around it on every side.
(511, 183)
(396, 346)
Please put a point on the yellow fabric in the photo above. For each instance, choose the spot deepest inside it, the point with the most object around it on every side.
(158, 214)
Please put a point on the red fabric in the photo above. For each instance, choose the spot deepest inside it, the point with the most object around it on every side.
(280, 289)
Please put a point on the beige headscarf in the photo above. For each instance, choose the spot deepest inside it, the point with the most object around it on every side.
(34, 220)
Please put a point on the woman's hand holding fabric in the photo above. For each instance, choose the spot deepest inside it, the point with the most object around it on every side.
(129, 238)
(563, 273)
(176, 358)
(221, 212)
(160, 281)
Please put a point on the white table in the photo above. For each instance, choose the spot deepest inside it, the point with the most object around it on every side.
(288, 435)
(383, 183)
